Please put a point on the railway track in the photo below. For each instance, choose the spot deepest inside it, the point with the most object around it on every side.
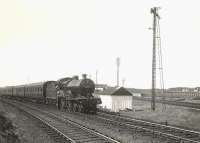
(175, 103)
(62, 130)
(170, 132)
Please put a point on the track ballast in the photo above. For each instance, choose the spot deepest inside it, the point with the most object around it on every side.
(62, 130)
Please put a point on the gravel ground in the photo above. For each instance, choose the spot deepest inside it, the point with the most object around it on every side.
(174, 115)
(27, 131)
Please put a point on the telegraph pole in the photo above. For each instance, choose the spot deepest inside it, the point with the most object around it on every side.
(118, 63)
(96, 76)
(155, 16)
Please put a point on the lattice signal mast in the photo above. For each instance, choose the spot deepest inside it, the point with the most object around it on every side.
(156, 17)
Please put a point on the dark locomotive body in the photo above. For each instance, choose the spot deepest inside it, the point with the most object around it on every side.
(72, 94)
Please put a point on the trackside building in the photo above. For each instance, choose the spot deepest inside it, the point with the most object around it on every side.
(115, 99)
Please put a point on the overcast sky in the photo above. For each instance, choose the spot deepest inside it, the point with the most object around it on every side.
(50, 39)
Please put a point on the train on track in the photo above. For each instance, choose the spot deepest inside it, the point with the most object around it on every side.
(72, 94)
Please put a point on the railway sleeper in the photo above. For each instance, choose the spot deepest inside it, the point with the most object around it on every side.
(83, 137)
(89, 140)
(77, 134)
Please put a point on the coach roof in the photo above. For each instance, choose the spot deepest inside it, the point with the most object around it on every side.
(33, 84)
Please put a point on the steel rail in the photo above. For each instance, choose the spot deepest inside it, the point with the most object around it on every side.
(43, 122)
(77, 125)
(148, 122)
(154, 125)
(175, 103)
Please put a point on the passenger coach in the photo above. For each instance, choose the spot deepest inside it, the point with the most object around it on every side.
(39, 92)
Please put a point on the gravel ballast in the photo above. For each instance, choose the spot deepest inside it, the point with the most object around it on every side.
(174, 115)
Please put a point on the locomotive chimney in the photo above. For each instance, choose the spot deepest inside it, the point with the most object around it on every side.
(84, 76)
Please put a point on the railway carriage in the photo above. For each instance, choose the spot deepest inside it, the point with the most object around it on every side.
(18, 91)
(7, 91)
(36, 92)
(72, 94)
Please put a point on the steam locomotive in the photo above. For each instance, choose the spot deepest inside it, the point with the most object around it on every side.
(71, 94)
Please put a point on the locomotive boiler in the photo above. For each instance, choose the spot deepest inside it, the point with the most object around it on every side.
(76, 95)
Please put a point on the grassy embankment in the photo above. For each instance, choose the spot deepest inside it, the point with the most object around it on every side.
(7, 130)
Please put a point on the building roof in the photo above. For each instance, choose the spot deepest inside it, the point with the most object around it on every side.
(115, 91)
(101, 86)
